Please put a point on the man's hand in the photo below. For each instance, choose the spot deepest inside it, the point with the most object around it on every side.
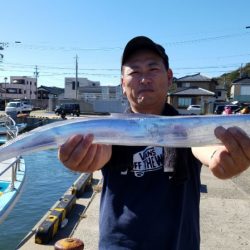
(78, 153)
(234, 157)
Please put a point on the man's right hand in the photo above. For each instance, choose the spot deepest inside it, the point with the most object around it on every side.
(78, 153)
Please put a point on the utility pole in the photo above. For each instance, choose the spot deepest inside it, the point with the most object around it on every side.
(76, 85)
(36, 74)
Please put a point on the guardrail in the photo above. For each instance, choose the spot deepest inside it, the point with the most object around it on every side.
(15, 165)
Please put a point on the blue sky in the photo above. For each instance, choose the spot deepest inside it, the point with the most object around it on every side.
(206, 36)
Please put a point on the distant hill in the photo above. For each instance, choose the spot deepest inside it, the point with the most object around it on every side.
(228, 78)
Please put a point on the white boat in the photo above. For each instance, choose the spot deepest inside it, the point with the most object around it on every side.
(12, 171)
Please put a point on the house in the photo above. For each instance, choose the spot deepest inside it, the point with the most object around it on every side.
(240, 90)
(43, 92)
(196, 80)
(48, 96)
(181, 99)
(195, 89)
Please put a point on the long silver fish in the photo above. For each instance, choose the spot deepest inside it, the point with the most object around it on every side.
(131, 130)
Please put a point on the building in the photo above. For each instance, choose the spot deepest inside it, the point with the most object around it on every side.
(240, 90)
(20, 87)
(196, 80)
(48, 97)
(44, 92)
(196, 89)
(99, 98)
(72, 90)
(181, 99)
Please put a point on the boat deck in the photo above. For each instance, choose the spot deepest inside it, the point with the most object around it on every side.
(8, 195)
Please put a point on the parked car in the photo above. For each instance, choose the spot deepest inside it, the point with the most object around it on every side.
(27, 106)
(220, 108)
(68, 108)
(194, 109)
(17, 107)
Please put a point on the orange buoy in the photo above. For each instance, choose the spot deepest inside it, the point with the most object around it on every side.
(69, 244)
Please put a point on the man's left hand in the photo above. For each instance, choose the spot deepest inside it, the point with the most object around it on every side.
(233, 157)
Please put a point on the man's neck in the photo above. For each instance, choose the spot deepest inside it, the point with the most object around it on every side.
(149, 110)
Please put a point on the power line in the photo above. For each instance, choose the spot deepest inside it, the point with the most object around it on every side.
(175, 43)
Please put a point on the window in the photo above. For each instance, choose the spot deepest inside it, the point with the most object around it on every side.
(18, 81)
(12, 91)
(186, 84)
(184, 102)
(245, 90)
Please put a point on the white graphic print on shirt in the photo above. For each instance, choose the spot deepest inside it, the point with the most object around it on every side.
(150, 159)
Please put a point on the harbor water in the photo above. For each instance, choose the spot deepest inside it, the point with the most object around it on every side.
(46, 181)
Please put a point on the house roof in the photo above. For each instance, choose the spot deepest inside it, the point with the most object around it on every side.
(242, 80)
(193, 91)
(194, 78)
(51, 90)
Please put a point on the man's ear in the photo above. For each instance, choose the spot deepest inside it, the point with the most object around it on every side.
(170, 77)
(122, 86)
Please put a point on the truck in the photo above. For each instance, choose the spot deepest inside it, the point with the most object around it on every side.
(18, 107)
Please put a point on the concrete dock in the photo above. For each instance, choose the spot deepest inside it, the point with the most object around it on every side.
(225, 213)
(224, 208)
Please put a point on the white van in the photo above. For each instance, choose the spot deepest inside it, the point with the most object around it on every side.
(17, 108)
(27, 107)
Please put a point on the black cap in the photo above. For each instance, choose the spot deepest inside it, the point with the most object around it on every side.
(143, 43)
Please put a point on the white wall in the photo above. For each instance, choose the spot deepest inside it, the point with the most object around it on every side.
(112, 106)
(70, 93)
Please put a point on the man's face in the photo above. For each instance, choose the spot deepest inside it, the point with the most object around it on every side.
(145, 82)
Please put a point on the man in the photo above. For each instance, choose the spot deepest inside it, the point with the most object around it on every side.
(150, 197)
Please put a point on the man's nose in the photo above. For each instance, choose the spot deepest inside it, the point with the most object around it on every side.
(145, 79)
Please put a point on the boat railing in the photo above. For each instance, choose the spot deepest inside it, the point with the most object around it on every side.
(11, 132)
(12, 129)
(10, 125)
(15, 165)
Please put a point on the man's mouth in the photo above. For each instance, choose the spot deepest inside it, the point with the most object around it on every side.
(144, 91)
